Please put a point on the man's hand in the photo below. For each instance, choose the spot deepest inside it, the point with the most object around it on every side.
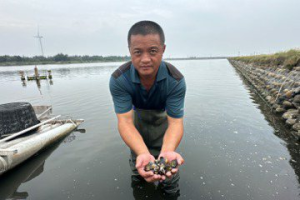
(171, 141)
(171, 155)
(143, 160)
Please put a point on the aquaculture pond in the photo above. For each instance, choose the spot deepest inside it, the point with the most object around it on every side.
(233, 148)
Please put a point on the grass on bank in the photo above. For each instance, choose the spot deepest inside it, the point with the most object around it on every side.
(289, 59)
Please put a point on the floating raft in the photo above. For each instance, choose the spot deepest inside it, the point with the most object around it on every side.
(36, 75)
(31, 78)
(17, 147)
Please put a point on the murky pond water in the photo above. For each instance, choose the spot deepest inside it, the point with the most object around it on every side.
(232, 150)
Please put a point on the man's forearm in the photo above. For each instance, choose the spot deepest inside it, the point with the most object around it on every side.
(173, 135)
(132, 137)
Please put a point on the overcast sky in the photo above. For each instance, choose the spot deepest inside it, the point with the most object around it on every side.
(192, 27)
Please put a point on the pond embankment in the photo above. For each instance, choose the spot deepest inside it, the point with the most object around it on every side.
(276, 78)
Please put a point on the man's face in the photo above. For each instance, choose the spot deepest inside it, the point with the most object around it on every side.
(146, 54)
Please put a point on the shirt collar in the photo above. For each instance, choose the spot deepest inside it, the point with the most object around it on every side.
(161, 74)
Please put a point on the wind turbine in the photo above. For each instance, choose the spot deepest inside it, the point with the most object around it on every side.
(39, 37)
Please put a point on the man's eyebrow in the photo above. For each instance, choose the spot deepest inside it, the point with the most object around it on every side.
(136, 48)
(154, 47)
(139, 48)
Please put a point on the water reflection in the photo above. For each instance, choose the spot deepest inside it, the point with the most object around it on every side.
(64, 71)
(9, 75)
(11, 181)
(24, 83)
(75, 72)
(280, 130)
(59, 71)
(38, 83)
(30, 169)
(231, 151)
(143, 190)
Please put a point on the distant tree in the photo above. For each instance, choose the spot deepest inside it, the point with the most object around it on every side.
(3, 58)
(17, 58)
(61, 57)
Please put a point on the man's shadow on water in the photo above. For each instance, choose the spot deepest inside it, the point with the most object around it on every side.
(144, 190)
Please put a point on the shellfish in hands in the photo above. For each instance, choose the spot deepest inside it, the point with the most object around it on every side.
(161, 166)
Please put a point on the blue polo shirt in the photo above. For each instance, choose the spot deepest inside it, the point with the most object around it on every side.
(167, 92)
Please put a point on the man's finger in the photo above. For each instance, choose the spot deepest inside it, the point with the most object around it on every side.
(153, 178)
(149, 180)
(145, 174)
(138, 163)
(157, 177)
(148, 174)
(180, 160)
(168, 174)
(174, 171)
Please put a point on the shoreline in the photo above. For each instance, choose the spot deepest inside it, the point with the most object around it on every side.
(54, 63)
(9, 64)
(278, 86)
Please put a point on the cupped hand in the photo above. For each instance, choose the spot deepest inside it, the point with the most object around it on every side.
(141, 161)
(172, 155)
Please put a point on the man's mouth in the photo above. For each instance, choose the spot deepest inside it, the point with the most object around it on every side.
(145, 67)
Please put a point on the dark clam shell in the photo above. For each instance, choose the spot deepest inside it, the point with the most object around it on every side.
(161, 166)
(174, 163)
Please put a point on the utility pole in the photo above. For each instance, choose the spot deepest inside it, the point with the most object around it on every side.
(39, 37)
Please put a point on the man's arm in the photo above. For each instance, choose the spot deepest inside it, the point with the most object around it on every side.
(135, 142)
(171, 141)
(174, 132)
(130, 134)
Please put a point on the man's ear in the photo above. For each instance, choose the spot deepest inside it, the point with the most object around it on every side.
(164, 48)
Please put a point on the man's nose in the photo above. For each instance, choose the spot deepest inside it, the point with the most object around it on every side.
(145, 58)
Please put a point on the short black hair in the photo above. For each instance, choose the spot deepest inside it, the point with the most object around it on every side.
(145, 28)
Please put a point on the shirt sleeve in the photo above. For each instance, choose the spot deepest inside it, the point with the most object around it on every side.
(175, 100)
(121, 97)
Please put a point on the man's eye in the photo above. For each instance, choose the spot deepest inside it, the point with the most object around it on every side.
(153, 51)
(137, 52)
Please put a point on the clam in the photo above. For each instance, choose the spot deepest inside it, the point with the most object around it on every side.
(161, 166)
(174, 163)
(149, 166)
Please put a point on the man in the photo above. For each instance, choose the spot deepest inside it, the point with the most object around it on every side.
(148, 96)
